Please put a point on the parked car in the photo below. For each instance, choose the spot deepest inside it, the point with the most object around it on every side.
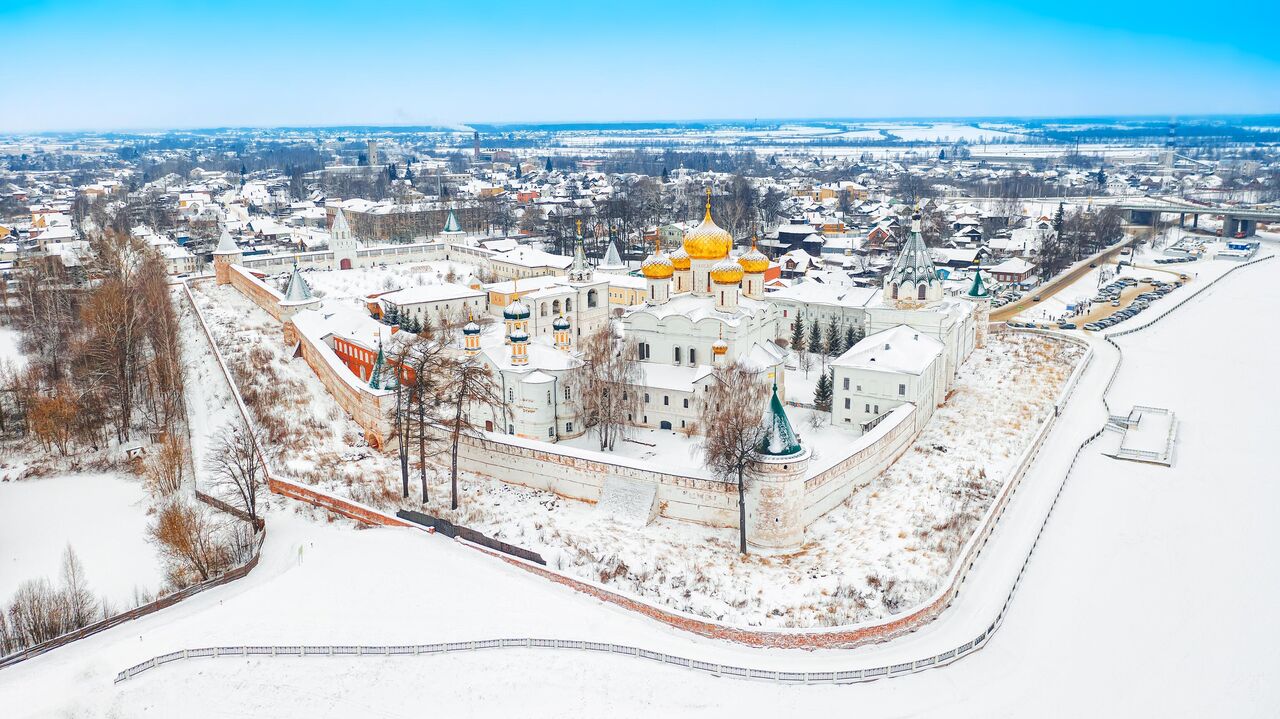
(1036, 298)
(1066, 325)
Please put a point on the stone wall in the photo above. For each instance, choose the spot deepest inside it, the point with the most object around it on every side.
(369, 408)
(262, 294)
(575, 475)
(872, 453)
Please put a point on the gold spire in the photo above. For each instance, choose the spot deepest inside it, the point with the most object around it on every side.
(707, 217)
(579, 228)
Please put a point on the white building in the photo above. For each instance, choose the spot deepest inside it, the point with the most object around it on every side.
(885, 370)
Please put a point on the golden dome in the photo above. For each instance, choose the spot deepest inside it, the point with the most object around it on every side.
(754, 261)
(680, 259)
(708, 241)
(726, 272)
(657, 266)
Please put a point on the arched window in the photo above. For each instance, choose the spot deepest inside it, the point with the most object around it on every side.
(894, 289)
(920, 290)
(591, 298)
(555, 307)
(568, 305)
(542, 311)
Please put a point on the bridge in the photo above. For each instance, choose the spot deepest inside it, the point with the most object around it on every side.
(1234, 219)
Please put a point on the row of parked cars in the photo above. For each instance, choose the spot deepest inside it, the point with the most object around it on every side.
(1175, 260)
(1141, 302)
(1005, 295)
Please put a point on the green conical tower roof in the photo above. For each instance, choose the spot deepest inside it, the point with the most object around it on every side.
(452, 224)
(297, 290)
(781, 440)
(375, 377)
(979, 289)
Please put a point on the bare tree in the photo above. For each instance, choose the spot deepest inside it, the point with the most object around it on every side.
(185, 534)
(81, 607)
(237, 464)
(606, 384)
(167, 466)
(468, 387)
(732, 412)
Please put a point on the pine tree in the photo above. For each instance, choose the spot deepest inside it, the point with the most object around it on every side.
(797, 335)
(852, 336)
(548, 164)
(665, 177)
(392, 315)
(822, 392)
(835, 338)
(815, 337)
(1059, 219)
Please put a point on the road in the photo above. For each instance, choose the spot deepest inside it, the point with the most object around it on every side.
(1047, 290)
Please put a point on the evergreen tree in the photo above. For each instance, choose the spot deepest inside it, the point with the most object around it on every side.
(942, 154)
(822, 392)
(548, 164)
(1059, 219)
(797, 335)
(406, 323)
(408, 172)
(835, 338)
(391, 316)
(852, 336)
(665, 176)
(815, 337)
(518, 173)
(391, 173)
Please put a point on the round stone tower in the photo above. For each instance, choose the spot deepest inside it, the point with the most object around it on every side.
(775, 487)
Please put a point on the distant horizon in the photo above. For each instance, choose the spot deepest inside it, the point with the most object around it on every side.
(1265, 118)
(95, 66)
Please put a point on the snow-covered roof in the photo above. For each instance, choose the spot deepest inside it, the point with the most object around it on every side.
(441, 292)
(897, 349)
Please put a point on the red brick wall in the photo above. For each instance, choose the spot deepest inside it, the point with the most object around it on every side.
(351, 510)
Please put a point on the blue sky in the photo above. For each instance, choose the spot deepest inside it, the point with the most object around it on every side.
(110, 65)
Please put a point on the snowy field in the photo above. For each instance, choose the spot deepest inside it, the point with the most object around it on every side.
(1150, 595)
(102, 516)
(886, 549)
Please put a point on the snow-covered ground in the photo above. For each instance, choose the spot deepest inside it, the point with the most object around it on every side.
(358, 283)
(104, 519)
(1150, 595)
(320, 442)
(9, 351)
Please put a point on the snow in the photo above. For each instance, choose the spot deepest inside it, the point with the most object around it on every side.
(9, 350)
(102, 516)
(358, 283)
(1149, 595)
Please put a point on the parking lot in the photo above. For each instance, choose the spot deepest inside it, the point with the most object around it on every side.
(1119, 300)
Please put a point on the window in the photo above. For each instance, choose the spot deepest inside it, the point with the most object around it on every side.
(846, 403)
(686, 403)
(566, 393)
(551, 431)
(877, 408)
(676, 354)
(846, 383)
(920, 290)
(902, 390)
(591, 298)
(666, 400)
(646, 398)
(866, 408)
(511, 395)
(682, 424)
(511, 429)
(548, 396)
(692, 356)
(894, 289)
(859, 388)
(568, 426)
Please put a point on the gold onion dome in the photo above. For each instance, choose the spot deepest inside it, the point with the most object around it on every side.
(719, 347)
(708, 241)
(754, 261)
(657, 266)
(726, 272)
(681, 260)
